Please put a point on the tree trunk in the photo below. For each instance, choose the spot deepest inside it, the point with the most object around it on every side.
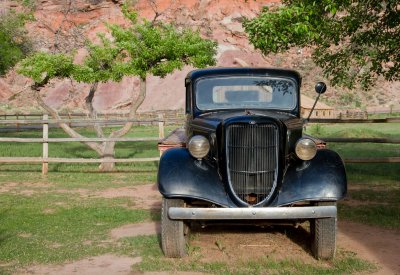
(108, 154)
(108, 147)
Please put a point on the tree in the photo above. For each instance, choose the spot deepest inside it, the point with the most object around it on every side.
(353, 41)
(141, 49)
(14, 43)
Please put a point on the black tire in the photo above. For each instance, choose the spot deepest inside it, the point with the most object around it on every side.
(323, 236)
(174, 233)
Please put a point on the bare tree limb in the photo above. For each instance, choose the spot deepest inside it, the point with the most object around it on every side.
(132, 112)
(157, 13)
(153, 6)
(92, 145)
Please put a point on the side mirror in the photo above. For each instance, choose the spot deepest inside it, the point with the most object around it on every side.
(320, 88)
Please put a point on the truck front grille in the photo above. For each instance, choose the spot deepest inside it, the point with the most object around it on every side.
(252, 160)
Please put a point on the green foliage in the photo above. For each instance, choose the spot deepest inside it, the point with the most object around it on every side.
(353, 41)
(143, 48)
(158, 48)
(41, 66)
(14, 44)
(101, 64)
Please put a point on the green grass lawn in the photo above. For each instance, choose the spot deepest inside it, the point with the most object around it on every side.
(45, 220)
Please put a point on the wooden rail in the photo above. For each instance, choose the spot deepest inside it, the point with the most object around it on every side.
(40, 140)
(84, 121)
(337, 120)
(71, 160)
(114, 117)
(373, 160)
(362, 140)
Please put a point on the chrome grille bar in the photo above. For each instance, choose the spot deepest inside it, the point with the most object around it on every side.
(252, 152)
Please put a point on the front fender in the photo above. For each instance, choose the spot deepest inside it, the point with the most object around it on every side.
(182, 176)
(322, 178)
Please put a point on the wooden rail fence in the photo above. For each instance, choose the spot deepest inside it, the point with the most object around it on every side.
(45, 140)
(160, 121)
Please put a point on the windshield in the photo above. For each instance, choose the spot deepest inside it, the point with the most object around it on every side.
(245, 92)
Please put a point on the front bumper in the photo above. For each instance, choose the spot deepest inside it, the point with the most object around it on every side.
(270, 213)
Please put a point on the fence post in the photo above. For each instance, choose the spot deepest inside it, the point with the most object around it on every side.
(160, 126)
(45, 164)
(69, 117)
(17, 122)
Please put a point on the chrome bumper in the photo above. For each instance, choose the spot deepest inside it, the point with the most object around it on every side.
(268, 213)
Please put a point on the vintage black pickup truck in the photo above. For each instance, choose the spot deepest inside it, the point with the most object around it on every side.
(246, 160)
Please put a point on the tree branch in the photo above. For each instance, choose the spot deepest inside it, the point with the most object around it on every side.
(71, 132)
(132, 112)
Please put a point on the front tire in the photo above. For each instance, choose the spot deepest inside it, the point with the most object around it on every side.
(323, 236)
(173, 232)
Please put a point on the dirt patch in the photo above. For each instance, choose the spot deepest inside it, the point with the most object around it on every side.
(231, 244)
(27, 193)
(145, 196)
(14, 186)
(169, 273)
(25, 235)
(104, 264)
(377, 245)
(234, 244)
(49, 211)
(136, 229)
(4, 188)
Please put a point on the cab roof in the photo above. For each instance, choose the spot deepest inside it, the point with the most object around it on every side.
(275, 72)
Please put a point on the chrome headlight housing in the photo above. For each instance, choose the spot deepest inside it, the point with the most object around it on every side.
(306, 149)
(199, 146)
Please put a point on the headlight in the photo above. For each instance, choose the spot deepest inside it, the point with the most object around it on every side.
(198, 146)
(306, 149)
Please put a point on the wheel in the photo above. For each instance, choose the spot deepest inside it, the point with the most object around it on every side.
(323, 236)
(174, 233)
